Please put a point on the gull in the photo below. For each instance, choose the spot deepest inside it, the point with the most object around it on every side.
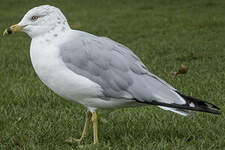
(94, 71)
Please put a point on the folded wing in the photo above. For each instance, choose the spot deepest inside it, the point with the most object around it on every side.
(120, 73)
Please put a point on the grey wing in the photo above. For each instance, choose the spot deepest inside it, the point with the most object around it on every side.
(119, 72)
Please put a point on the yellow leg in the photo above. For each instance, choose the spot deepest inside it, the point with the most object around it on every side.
(95, 127)
(88, 117)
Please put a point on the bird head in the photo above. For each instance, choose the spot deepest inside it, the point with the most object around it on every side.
(40, 20)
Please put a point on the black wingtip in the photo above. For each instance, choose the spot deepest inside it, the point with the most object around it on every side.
(199, 105)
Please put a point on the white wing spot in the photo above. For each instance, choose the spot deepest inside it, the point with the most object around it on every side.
(192, 104)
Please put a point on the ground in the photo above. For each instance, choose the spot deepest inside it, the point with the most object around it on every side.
(163, 33)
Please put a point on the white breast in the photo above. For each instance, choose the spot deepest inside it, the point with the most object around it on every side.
(54, 74)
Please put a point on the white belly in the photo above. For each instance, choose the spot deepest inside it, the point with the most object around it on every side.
(69, 85)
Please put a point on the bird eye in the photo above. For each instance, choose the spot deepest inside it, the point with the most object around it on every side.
(34, 18)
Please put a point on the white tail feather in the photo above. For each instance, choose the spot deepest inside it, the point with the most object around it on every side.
(175, 110)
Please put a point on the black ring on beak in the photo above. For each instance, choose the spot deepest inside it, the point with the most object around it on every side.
(9, 30)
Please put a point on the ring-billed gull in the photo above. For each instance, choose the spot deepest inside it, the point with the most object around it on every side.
(95, 71)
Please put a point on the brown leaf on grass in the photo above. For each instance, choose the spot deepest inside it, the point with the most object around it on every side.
(76, 25)
(182, 70)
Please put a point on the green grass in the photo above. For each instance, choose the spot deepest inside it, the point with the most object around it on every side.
(162, 33)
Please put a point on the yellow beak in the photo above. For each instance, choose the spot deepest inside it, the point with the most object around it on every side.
(12, 29)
